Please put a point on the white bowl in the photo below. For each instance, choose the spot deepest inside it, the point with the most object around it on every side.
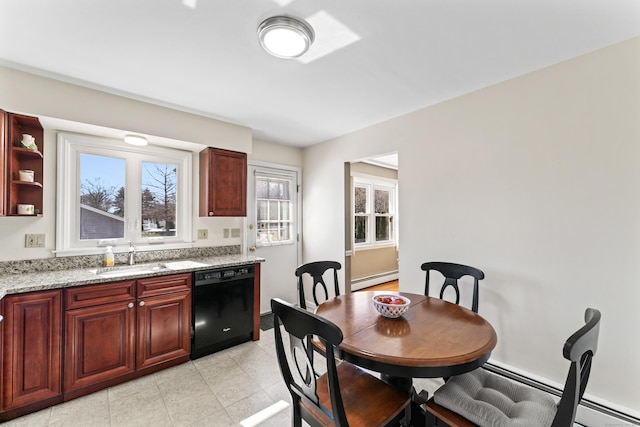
(388, 309)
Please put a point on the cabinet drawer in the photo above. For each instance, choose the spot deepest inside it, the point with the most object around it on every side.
(163, 285)
(87, 296)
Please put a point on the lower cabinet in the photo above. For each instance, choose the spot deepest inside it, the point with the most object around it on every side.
(112, 333)
(164, 329)
(111, 342)
(99, 333)
(31, 350)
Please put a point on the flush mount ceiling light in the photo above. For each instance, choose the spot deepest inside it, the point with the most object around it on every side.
(135, 140)
(285, 36)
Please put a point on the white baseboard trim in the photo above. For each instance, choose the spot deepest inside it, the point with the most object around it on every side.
(365, 282)
(591, 413)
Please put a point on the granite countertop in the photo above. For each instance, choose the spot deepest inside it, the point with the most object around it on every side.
(58, 279)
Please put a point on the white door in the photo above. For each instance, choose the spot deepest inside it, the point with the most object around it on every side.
(272, 229)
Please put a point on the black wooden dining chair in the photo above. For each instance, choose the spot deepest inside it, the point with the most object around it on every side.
(452, 273)
(317, 270)
(462, 401)
(344, 395)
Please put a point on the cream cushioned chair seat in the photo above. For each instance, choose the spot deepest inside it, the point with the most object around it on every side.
(488, 399)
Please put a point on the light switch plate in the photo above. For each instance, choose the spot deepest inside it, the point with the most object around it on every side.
(34, 240)
(225, 233)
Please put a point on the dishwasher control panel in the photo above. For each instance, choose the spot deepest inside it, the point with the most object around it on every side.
(222, 274)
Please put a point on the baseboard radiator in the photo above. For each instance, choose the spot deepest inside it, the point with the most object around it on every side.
(590, 413)
(376, 279)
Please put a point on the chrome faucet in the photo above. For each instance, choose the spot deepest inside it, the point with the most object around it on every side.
(132, 254)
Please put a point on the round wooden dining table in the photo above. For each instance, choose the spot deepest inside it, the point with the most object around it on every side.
(434, 338)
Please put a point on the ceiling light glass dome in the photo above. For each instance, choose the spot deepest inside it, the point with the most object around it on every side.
(285, 36)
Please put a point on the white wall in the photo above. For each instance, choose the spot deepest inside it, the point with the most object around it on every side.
(536, 182)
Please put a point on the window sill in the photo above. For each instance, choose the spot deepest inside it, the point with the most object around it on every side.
(121, 249)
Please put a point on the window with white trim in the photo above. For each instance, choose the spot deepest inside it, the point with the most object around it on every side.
(112, 194)
(274, 209)
(374, 211)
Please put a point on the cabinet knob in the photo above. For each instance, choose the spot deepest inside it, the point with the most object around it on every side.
(130, 305)
(141, 303)
(210, 213)
(1, 318)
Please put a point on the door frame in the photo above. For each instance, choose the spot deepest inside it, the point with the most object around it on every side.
(245, 220)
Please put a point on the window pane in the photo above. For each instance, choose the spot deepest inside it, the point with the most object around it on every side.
(361, 229)
(262, 210)
(360, 200)
(381, 201)
(285, 210)
(262, 189)
(101, 197)
(158, 199)
(273, 210)
(383, 228)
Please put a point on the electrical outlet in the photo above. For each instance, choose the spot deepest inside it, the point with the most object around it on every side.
(235, 232)
(225, 233)
(34, 240)
(203, 233)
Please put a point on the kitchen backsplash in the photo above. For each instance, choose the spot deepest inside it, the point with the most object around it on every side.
(95, 261)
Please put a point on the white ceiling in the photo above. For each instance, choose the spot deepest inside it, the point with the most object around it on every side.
(206, 59)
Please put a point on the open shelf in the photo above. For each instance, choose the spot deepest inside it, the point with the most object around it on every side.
(20, 158)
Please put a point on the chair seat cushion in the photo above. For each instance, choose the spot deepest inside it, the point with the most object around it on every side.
(487, 399)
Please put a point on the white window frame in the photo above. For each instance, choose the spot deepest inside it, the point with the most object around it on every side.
(70, 147)
(372, 183)
(283, 176)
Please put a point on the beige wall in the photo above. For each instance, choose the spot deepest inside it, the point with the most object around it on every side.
(269, 152)
(535, 181)
(366, 263)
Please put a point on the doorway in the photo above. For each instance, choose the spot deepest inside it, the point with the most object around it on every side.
(371, 221)
(272, 231)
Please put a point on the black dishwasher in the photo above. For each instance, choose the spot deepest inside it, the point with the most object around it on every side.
(222, 309)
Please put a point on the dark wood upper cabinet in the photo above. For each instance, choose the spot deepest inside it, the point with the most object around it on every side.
(3, 160)
(14, 158)
(223, 183)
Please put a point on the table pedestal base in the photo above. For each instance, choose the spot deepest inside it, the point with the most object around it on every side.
(419, 416)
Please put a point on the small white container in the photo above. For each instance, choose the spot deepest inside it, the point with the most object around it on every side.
(26, 175)
(26, 209)
(108, 258)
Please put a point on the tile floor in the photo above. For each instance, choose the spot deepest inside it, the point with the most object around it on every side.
(221, 389)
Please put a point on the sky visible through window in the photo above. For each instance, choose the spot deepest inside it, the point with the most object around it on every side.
(108, 169)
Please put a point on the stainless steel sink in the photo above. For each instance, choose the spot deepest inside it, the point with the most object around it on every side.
(129, 270)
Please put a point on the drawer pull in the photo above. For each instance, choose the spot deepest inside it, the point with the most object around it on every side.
(226, 329)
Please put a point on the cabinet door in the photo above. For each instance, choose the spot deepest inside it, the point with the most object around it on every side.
(164, 328)
(99, 343)
(32, 348)
(3, 160)
(223, 183)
